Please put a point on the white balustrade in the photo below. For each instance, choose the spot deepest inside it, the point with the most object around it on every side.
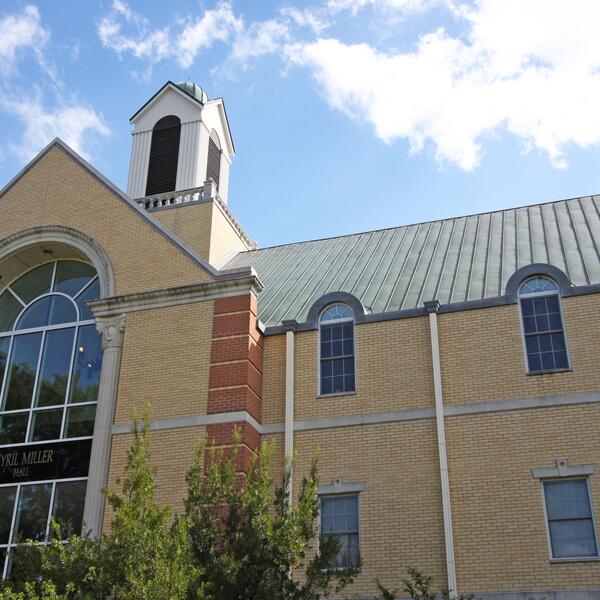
(203, 194)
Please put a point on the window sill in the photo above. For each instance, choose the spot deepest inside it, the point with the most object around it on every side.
(337, 394)
(575, 560)
(549, 371)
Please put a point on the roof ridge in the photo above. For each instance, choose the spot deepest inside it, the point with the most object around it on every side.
(464, 216)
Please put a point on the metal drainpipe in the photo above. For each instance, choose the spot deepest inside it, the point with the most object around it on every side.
(289, 328)
(432, 308)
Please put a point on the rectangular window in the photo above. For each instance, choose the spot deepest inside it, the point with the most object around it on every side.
(339, 518)
(544, 334)
(570, 522)
(337, 358)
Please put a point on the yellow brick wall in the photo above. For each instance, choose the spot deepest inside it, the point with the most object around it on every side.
(273, 399)
(393, 371)
(171, 454)
(224, 237)
(191, 224)
(500, 532)
(499, 525)
(482, 354)
(58, 191)
(400, 508)
(166, 361)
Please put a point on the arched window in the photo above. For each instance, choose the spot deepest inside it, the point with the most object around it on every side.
(213, 164)
(164, 154)
(336, 350)
(543, 329)
(50, 361)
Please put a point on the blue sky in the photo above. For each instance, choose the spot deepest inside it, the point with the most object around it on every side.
(347, 115)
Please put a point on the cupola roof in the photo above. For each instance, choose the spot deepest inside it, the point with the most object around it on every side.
(193, 89)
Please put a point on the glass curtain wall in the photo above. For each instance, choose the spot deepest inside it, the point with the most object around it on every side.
(50, 362)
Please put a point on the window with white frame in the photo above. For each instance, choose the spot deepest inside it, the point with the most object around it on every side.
(570, 520)
(27, 509)
(336, 350)
(50, 362)
(339, 519)
(543, 330)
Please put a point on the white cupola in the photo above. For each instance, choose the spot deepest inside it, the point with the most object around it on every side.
(181, 139)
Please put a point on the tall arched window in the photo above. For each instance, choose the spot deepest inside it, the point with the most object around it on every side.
(50, 361)
(164, 154)
(336, 350)
(543, 330)
(213, 164)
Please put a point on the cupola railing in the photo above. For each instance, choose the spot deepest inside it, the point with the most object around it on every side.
(198, 195)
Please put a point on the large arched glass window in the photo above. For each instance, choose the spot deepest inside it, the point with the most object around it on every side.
(50, 361)
(543, 330)
(336, 350)
(164, 155)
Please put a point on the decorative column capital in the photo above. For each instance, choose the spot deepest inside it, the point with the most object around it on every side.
(111, 329)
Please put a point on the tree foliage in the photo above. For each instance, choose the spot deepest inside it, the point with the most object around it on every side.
(250, 539)
(145, 556)
(240, 538)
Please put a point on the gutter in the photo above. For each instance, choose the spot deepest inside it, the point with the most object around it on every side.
(432, 308)
(289, 328)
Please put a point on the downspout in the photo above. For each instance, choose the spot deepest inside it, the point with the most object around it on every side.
(289, 327)
(432, 308)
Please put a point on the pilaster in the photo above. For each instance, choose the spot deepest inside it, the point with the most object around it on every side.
(112, 330)
(235, 378)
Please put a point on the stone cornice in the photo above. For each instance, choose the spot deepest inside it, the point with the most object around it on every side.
(230, 286)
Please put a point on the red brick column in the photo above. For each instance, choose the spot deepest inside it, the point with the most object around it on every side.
(235, 378)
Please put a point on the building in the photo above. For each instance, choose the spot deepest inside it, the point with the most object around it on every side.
(447, 370)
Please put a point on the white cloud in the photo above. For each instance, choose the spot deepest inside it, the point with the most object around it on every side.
(183, 44)
(529, 67)
(263, 37)
(315, 19)
(404, 6)
(21, 32)
(73, 122)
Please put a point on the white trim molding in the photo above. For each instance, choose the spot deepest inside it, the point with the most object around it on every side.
(192, 421)
(563, 469)
(337, 486)
(187, 294)
(112, 332)
(70, 237)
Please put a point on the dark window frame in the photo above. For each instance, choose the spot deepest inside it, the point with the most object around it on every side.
(329, 325)
(552, 335)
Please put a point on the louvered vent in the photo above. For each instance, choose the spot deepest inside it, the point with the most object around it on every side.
(213, 166)
(164, 153)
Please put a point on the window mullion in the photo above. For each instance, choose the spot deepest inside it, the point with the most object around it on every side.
(69, 382)
(85, 287)
(16, 296)
(53, 279)
(35, 386)
(6, 371)
(50, 509)
(12, 529)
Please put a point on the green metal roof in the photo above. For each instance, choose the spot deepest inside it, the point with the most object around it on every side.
(453, 260)
(193, 89)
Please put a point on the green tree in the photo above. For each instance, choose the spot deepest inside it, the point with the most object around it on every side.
(418, 586)
(240, 539)
(146, 556)
(249, 539)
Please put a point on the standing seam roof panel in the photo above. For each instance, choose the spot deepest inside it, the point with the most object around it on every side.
(459, 259)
